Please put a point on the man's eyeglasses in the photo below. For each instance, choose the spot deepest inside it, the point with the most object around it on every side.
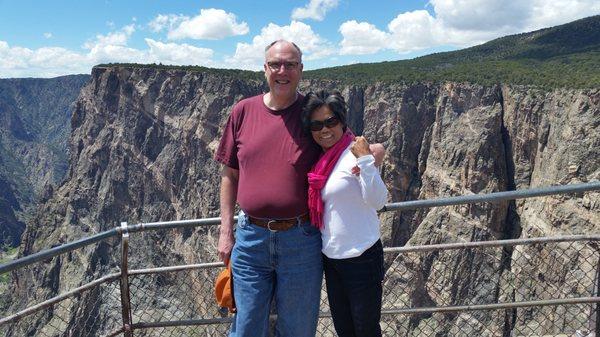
(329, 123)
(275, 66)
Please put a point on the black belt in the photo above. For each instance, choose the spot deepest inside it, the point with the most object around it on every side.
(279, 224)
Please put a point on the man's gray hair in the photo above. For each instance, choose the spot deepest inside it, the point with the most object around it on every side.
(282, 40)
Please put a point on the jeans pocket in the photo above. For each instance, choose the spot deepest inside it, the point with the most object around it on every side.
(242, 220)
(309, 230)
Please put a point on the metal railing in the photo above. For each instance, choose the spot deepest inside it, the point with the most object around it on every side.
(517, 287)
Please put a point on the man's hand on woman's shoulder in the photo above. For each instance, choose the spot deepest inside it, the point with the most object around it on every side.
(378, 151)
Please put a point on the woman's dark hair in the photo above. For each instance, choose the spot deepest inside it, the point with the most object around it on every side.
(313, 101)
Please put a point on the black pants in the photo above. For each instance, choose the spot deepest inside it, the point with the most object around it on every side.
(354, 292)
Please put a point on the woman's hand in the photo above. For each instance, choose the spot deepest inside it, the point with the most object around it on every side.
(360, 147)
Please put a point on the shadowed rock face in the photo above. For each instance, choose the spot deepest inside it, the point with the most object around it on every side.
(143, 139)
(10, 227)
(34, 128)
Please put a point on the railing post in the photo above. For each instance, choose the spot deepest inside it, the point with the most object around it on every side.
(596, 321)
(125, 299)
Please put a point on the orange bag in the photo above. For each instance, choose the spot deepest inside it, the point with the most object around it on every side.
(224, 289)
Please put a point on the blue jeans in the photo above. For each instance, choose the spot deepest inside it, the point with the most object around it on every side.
(354, 291)
(284, 265)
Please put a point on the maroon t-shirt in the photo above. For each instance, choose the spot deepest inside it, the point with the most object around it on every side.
(273, 155)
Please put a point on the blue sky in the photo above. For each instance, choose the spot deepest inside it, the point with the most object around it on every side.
(53, 38)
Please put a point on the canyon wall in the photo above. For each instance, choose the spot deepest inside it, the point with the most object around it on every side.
(141, 148)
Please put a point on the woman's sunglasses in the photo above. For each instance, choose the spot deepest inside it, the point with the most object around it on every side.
(329, 123)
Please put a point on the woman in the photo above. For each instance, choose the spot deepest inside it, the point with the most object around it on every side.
(345, 192)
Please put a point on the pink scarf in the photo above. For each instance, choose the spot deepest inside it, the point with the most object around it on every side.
(318, 175)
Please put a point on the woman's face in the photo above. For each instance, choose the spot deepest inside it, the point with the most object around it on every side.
(331, 128)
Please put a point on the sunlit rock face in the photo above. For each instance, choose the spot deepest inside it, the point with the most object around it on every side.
(141, 148)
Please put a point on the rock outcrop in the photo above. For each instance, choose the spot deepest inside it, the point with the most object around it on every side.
(34, 128)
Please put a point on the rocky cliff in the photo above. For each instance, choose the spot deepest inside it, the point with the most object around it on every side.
(34, 128)
(142, 143)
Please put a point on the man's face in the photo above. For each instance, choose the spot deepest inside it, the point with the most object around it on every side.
(283, 69)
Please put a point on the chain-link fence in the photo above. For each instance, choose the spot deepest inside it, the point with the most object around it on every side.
(522, 287)
(91, 310)
(428, 291)
(512, 288)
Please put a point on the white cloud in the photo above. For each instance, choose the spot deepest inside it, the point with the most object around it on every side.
(469, 22)
(48, 57)
(114, 53)
(178, 54)
(316, 10)
(112, 47)
(481, 15)
(211, 24)
(251, 56)
(407, 32)
(166, 22)
(42, 62)
(460, 23)
(118, 38)
(13, 57)
(361, 38)
(413, 31)
(324, 51)
(552, 13)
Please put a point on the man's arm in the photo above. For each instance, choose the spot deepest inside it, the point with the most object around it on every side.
(229, 186)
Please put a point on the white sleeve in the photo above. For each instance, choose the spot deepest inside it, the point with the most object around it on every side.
(373, 190)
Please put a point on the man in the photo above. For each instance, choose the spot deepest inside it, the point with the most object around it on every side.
(277, 253)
